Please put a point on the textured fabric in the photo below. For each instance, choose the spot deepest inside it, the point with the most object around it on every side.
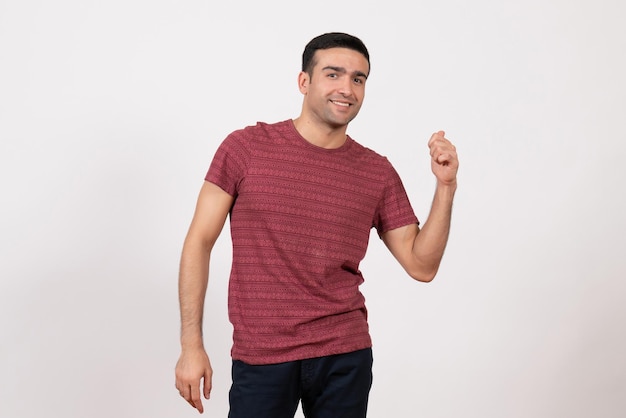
(300, 226)
(336, 386)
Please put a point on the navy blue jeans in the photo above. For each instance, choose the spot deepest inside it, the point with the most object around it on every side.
(334, 386)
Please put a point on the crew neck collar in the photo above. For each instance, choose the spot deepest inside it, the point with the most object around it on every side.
(346, 144)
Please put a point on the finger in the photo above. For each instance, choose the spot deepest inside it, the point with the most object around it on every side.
(440, 147)
(443, 159)
(196, 401)
(435, 137)
(191, 403)
(208, 385)
(181, 391)
(186, 394)
(447, 159)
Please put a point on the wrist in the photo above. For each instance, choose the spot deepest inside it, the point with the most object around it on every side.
(191, 348)
(192, 341)
(447, 186)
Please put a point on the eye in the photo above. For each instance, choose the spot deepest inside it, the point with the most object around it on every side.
(358, 80)
(332, 75)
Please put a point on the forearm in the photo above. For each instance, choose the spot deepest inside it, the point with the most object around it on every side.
(430, 243)
(192, 286)
(193, 367)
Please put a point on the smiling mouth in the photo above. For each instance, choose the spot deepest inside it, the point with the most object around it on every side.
(342, 104)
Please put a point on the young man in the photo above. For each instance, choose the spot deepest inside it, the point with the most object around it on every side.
(302, 197)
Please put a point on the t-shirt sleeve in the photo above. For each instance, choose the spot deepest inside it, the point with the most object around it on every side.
(394, 209)
(229, 164)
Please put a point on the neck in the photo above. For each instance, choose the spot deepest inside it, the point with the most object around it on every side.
(321, 136)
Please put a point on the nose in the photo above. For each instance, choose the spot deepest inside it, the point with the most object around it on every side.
(346, 87)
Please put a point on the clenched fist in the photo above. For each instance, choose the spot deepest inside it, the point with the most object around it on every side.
(444, 161)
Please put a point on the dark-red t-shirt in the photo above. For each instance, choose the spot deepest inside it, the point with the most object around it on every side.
(300, 226)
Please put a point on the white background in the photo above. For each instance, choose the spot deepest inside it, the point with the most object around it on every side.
(110, 113)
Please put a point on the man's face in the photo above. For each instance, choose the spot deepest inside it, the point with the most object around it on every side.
(335, 90)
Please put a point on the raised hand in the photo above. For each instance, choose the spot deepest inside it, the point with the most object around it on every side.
(444, 161)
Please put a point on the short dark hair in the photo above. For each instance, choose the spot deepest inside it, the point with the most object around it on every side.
(331, 40)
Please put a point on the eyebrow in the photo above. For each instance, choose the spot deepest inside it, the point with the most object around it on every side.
(343, 70)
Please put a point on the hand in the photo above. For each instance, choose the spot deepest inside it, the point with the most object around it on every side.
(444, 161)
(192, 367)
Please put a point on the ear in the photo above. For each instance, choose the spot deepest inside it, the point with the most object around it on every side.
(303, 82)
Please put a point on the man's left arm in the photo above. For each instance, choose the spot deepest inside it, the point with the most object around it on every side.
(420, 251)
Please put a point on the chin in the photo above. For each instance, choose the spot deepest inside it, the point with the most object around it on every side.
(341, 121)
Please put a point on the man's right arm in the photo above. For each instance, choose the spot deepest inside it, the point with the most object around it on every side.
(193, 365)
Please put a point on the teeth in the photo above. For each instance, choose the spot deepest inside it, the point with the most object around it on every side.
(341, 103)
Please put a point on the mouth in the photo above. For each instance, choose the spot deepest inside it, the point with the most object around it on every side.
(342, 104)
